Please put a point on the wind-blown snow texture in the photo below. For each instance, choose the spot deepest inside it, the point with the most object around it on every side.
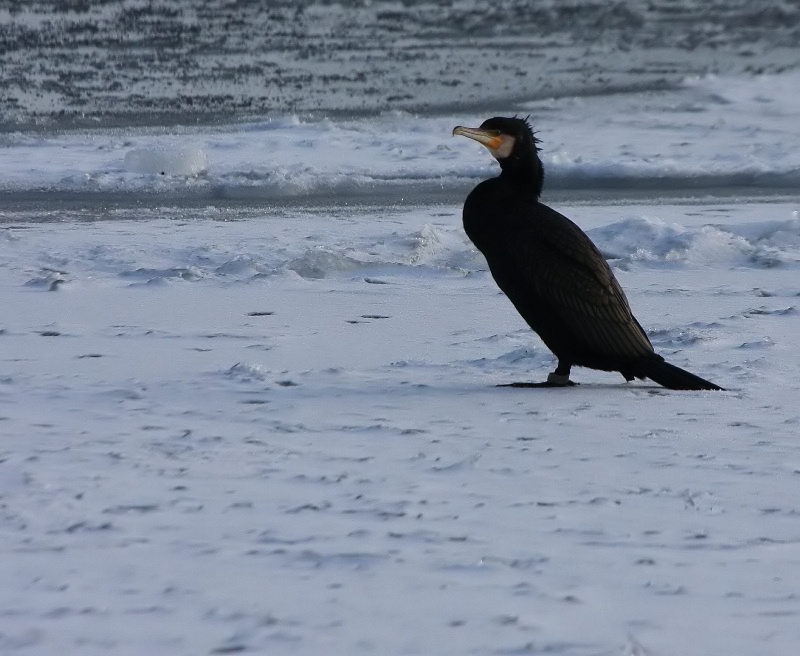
(248, 385)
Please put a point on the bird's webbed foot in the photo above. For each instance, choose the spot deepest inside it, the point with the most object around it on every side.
(555, 379)
(560, 377)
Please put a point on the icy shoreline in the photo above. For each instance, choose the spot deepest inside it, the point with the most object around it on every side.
(730, 136)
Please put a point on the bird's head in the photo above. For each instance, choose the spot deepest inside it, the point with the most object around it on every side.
(512, 143)
(504, 137)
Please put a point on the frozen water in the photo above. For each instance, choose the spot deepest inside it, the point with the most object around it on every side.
(132, 62)
(686, 138)
(248, 386)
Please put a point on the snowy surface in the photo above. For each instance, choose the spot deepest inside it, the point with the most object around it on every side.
(248, 378)
(278, 431)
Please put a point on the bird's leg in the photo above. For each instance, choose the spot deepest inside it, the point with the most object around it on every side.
(560, 377)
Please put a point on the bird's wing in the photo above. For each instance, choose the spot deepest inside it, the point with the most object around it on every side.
(567, 270)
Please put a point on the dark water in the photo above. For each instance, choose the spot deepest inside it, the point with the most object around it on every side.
(108, 63)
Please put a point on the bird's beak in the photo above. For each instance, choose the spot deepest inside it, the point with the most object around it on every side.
(492, 139)
(500, 145)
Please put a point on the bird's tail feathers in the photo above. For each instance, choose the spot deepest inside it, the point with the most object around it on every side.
(673, 377)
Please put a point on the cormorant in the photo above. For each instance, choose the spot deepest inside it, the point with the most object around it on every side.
(552, 272)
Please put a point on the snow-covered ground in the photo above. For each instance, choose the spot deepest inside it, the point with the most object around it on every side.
(249, 402)
(278, 431)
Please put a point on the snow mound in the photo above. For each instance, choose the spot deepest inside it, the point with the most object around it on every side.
(163, 160)
(653, 240)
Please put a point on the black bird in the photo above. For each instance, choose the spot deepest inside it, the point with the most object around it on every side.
(552, 272)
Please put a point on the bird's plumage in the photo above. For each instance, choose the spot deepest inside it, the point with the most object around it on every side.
(551, 271)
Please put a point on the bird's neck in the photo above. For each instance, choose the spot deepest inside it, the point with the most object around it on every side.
(526, 174)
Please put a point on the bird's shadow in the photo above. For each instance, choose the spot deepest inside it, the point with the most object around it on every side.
(652, 388)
